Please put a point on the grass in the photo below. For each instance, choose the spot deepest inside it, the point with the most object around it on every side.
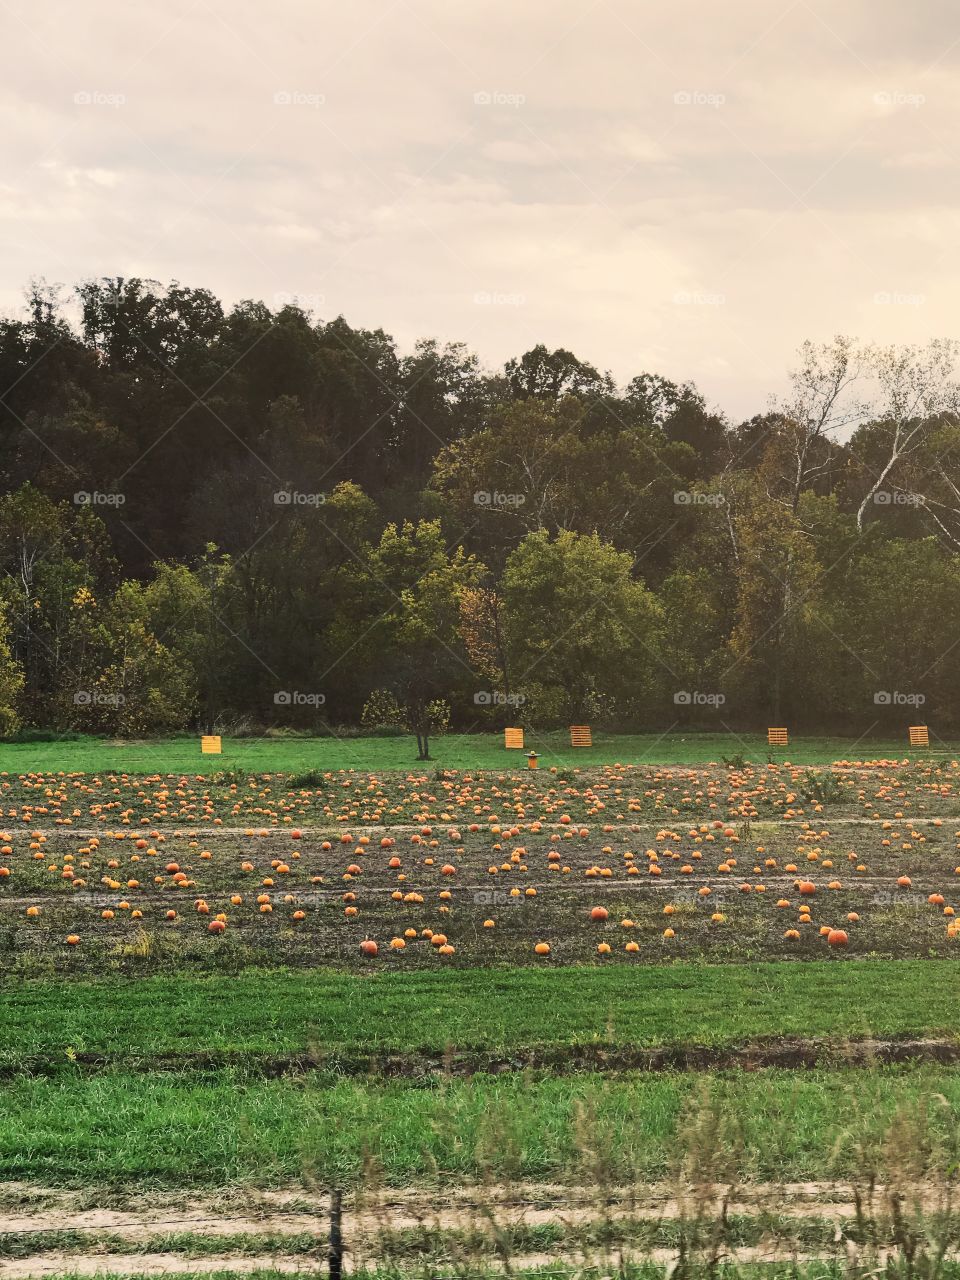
(266, 1014)
(122, 1128)
(454, 751)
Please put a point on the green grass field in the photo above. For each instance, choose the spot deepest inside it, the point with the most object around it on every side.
(257, 1015)
(473, 751)
(215, 1129)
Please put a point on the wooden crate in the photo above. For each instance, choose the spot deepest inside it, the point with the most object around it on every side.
(919, 735)
(580, 735)
(777, 737)
(513, 739)
(210, 744)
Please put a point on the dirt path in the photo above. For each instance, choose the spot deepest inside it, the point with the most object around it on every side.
(148, 1264)
(247, 1211)
(299, 1210)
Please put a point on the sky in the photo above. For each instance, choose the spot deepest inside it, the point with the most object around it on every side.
(667, 187)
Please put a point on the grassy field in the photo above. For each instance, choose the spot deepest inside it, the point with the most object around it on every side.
(454, 751)
(213, 1129)
(261, 1015)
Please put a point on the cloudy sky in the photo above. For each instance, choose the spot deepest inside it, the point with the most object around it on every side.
(689, 189)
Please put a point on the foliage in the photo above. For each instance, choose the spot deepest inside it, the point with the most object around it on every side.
(336, 516)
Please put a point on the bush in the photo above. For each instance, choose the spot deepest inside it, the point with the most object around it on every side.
(49, 735)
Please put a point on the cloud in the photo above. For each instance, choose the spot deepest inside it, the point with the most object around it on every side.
(596, 161)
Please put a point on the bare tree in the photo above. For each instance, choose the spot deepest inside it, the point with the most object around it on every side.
(916, 388)
(820, 403)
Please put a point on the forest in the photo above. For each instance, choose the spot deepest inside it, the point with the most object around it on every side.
(247, 519)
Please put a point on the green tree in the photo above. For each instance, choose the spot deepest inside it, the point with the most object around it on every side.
(579, 623)
(11, 682)
(415, 586)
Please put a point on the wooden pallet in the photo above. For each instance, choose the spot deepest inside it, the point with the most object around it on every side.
(777, 737)
(513, 739)
(919, 735)
(580, 735)
(210, 744)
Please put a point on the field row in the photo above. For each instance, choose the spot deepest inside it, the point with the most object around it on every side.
(423, 897)
(260, 1017)
(215, 1129)
(884, 788)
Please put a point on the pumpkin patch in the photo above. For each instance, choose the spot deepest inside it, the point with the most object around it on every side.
(725, 846)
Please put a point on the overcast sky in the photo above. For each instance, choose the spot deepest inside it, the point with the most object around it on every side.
(688, 189)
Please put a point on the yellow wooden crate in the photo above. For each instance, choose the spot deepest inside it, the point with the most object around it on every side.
(777, 737)
(210, 744)
(513, 739)
(580, 736)
(919, 735)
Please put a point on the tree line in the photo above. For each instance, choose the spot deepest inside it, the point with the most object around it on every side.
(251, 519)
